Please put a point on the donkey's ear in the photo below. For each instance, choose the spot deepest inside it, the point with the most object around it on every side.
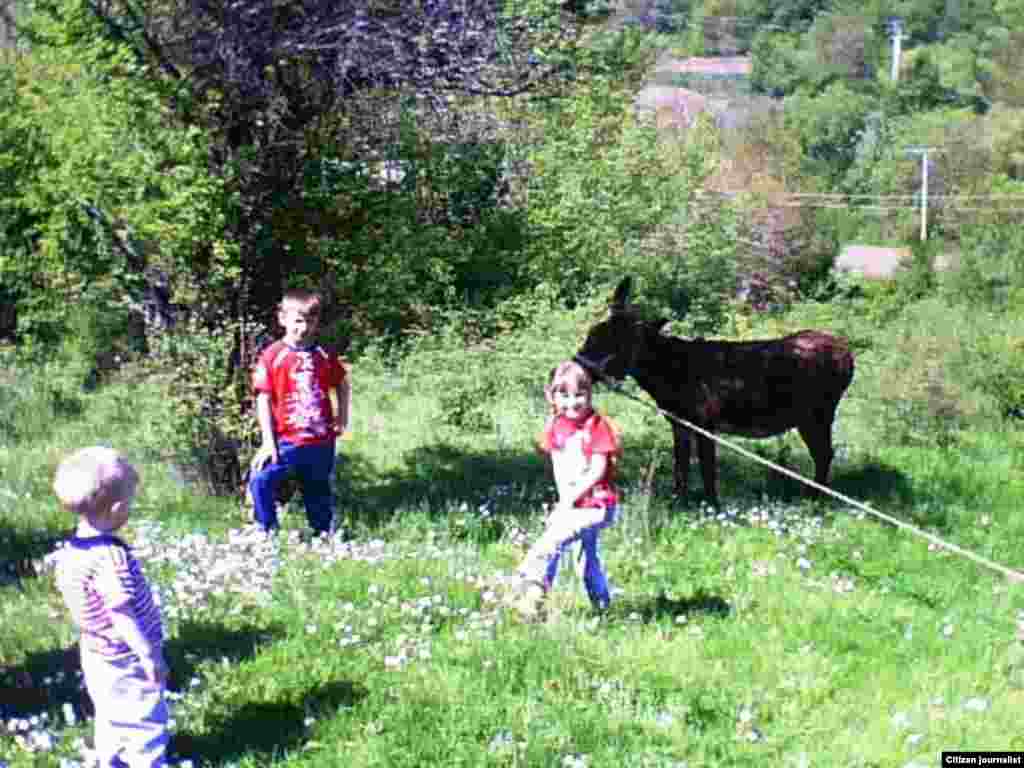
(621, 296)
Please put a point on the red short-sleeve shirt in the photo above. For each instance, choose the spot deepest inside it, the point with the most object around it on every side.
(299, 381)
(599, 436)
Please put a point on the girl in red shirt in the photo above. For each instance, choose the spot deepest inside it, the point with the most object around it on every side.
(583, 446)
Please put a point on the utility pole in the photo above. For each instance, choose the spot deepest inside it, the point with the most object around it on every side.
(895, 24)
(923, 152)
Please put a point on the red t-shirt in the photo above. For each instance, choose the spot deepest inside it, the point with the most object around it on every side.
(599, 436)
(299, 380)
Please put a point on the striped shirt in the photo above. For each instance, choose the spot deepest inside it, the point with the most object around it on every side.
(97, 574)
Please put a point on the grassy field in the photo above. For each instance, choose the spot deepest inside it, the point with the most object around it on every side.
(773, 631)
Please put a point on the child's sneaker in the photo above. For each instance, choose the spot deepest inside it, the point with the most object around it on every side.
(254, 533)
(527, 599)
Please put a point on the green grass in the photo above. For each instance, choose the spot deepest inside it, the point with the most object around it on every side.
(778, 631)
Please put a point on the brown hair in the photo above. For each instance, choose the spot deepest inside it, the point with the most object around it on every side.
(567, 375)
(305, 301)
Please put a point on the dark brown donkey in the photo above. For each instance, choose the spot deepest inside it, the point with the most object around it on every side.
(748, 388)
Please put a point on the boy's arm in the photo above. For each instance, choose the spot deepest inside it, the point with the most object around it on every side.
(343, 396)
(111, 583)
(265, 416)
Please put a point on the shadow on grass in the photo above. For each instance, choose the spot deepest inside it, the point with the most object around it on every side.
(740, 479)
(198, 641)
(661, 607)
(49, 679)
(441, 477)
(265, 729)
(880, 486)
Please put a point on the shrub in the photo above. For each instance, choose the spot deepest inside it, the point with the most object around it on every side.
(920, 398)
(210, 429)
(999, 369)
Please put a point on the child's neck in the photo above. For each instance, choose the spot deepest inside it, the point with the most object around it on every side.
(579, 420)
(87, 530)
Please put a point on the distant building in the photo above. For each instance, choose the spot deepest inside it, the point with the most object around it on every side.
(875, 262)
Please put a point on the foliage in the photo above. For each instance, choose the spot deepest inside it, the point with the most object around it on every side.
(777, 63)
(922, 399)
(665, 16)
(921, 89)
(84, 216)
(598, 181)
(829, 125)
(845, 45)
(991, 272)
(280, 90)
(999, 371)
(687, 267)
(1007, 126)
(958, 66)
(208, 427)
(1001, 55)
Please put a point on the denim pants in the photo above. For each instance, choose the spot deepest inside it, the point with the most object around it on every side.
(131, 713)
(313, 464)
(563, 529)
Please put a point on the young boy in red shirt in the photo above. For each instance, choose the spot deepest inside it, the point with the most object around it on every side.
(294, 380)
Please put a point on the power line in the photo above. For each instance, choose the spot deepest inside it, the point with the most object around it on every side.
(843, 196)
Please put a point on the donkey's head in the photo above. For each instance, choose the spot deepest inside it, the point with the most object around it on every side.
(614, 346)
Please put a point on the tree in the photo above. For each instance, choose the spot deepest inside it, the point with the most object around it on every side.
(279, 87)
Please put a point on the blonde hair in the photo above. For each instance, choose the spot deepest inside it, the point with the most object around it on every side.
(305, 301)
(92, 480)
(568, 375)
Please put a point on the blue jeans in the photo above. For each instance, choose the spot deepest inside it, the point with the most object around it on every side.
(583, 525)
(314, 465)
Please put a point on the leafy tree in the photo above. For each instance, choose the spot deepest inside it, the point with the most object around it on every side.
(265, 141)
(97, 184)
(1000, 58)
(776, 63)
(921, 89)
(280, 86)
(791, 15)
(829, 126)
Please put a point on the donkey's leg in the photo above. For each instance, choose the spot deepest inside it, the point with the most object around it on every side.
(708, 467)
(816, 432)
(681, 456)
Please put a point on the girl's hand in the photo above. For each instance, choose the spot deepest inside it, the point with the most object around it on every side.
(561, 507)
(271, 449)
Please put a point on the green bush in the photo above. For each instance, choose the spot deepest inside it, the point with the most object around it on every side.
(922, 397)
(998, 369)
(599, 181)
(209, 426)
(97, 181)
